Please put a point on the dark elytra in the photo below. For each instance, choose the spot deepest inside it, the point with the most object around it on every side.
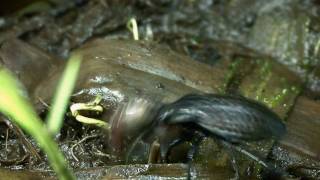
(227, 118)
(231, 118)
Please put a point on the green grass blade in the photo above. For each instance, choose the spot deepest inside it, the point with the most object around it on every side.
(16, 106)
(62, 94)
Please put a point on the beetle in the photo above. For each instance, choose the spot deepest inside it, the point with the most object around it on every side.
(231, 119)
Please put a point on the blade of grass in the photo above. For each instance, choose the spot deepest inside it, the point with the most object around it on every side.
(62, 94)
(16, 106)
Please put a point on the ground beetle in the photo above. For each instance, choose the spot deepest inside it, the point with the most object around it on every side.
(227, 118)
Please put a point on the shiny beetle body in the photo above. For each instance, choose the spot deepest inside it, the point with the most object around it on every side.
(233, 119)
(228, 118)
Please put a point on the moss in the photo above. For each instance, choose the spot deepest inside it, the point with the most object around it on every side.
(230, 74)
(265, 74)
(272, 85)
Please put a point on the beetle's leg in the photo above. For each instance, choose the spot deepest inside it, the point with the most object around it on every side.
(154, 152)
(192, 152)
(271, 168)
(166, 149)
(235, 166)
(136, 141)
(251, 155)
(233, 161)
(247, 153)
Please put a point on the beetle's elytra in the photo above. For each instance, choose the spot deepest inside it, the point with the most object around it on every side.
(230, 118)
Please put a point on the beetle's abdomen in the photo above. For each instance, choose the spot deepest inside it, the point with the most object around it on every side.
(231, 118)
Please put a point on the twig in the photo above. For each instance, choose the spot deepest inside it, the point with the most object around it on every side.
(23, 139)
(100, 153)
(78, 143)
(7, 135)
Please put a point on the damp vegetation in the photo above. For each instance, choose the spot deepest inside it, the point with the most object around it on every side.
(15, 105)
